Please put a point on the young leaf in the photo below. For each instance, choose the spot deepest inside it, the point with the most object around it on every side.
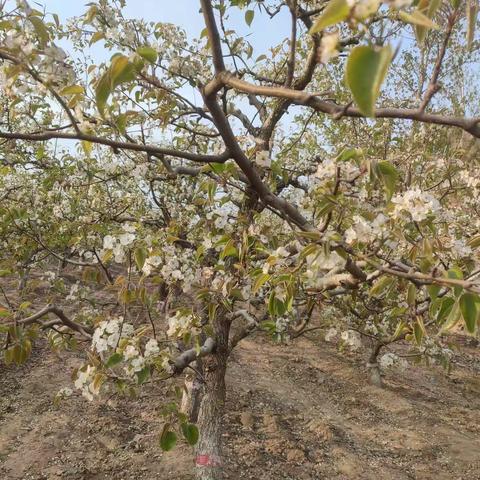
(113, 360)
(260, 281)
(468, 308)
(411, 294)
(366, 70)
(168, 439)
(417, 18)
(72, 90)
(428, 8)
(96, 37)
(388, 175)
(190, 432)
(143, 375)
(379, 287)
(249, 15)
(121, 70)
(40, 29)
(141, 254)
(336, 11)
(148, 53)
(102, 92)
(418, 331)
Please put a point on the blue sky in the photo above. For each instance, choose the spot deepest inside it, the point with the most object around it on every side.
(182, 12)
(185, 13)
(262, 34)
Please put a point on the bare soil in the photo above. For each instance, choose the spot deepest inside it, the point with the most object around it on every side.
(298, 412)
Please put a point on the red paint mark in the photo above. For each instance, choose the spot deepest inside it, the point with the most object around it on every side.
(207, 461)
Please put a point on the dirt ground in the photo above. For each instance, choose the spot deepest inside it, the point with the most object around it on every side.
(298, 412)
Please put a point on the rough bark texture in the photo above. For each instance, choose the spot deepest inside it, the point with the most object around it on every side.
(192, 394)
(208, 460)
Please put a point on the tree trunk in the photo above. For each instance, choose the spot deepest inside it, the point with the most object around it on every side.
(24, 276)
(374, 367)
(208, 456)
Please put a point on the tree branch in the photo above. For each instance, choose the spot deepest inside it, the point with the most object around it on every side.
(186, 358)
(151, 149)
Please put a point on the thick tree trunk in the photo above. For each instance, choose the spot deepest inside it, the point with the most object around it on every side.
(208, 456)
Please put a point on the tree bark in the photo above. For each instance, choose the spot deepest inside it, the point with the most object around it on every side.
(374, 367)
(208, 455)
(192, 393)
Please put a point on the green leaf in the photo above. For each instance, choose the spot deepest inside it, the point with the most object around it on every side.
(453, 318)
(121, 70)
(72, 90)
(229, 250)
(428, 8)
(445, 308)
(366, 70)
(418, 331)
(96, 37)
(168, 439)
(417, 18)
(336, 11)
(249, 15)
(348, 153)
(40, 29)
(190, 432)
(102, 92)
(113, 360)
(456, 274)
(380, 286)
(260, 281)
(148, 53)
(411, 294)
(468, 307)
(141, 254)
(388, 175)
(143, 374)
(275, 306)
(433, 291)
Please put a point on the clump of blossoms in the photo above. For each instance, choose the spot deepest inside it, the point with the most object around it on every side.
(351, 339)
(419, 205)
(108, 334)
(363, 231)
(151, 263)
(85, 382)
(184, 322)
(321, 267)
(115, 342)
(329, 46)
(391, 360)
(118, 244)
(347, 338)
